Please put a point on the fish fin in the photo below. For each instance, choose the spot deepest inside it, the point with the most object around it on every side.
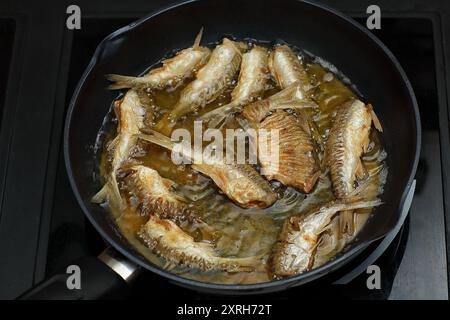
(360, 191)
(217, 116)
(120, 81)
(346, 222)
(110, 191)
(101, 196)
(198, 39)
(156, 138)
(375, 120)
(247, 264)
(360, 172)
(112, 144)
(296, 105)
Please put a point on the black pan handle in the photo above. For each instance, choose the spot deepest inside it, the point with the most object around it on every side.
(88, 278)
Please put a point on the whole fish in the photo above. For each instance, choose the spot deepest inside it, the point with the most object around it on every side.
(240, 182)
(286, 68)
(172, 72)
(130, 115)
(348, 139)
(209, 84)
(154, 196)
(297, 162)
(252, 82)
(169, 241)
(295, 250)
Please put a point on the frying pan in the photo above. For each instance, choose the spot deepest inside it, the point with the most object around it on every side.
(319, 30)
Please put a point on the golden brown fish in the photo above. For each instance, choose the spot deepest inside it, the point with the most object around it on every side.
(287, 68)
(252, 83)
(172, 73)
(348, 139)
(153, 195)
(210, 82)
(130, 115)
(295, 250)
(240, 182)
(169, 241)
(297, 164)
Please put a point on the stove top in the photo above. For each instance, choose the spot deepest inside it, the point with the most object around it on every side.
(60, 233)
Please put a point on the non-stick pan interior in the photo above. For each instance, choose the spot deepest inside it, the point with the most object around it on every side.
(305, 25)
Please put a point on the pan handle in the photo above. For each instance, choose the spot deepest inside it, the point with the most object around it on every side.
(105, 277)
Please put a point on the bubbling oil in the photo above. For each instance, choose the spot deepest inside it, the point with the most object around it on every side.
(247, 232)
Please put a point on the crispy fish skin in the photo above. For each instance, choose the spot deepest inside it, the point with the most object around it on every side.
(295, 250)
(173, 71)
(240, 182)
(348, 139)
(252, 82)
(210, 82)
(253, 76)
(130, 114)
(155, 196)
(286, 68)
(169, 241)
(297, 165)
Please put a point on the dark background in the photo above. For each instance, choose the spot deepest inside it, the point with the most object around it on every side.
(41, 62)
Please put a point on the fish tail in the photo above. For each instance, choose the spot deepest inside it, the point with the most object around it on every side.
(291, 92)
(198, 39)
(346, 205)
(247, 264)
(217, 116)
(101, 196)
(120, 82)
(110, 191)
(156, 138)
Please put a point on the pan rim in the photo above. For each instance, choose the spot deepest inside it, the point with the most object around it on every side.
(331, 265)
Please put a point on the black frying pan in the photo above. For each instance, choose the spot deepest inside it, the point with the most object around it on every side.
(314, 27)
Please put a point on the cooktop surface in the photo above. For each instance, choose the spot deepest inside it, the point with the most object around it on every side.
(64, 234)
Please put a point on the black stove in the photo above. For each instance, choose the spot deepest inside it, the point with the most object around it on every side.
(50, 229)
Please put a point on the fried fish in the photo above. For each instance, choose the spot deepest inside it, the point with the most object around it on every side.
(172, 72)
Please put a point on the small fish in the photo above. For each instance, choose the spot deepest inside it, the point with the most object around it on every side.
(286, 68)
(169, 241)
(154, 196)
(240, 182)
(348, 139)
(296, 164)
(295, 250)
(209, 84)
(172, 73)
(297, 161)
(252, 82)
(130, 115)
